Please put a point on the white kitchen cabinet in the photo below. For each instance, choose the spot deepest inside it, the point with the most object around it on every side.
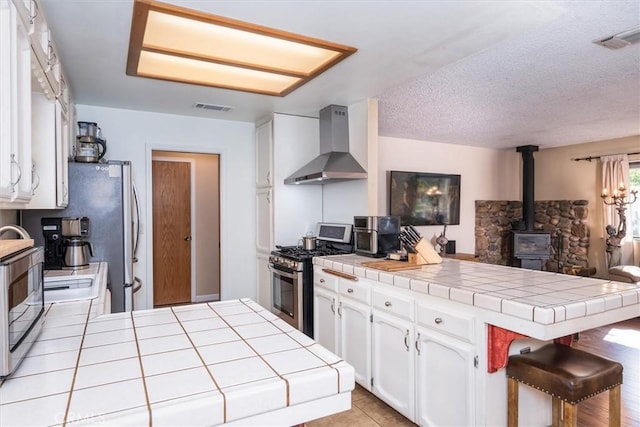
(15, 107)
(264, 281)
(393, 362)
(264, 155)
(355, 338)
(445, 366)
(46, 55)
(445, 375)
(325, 321)
(264, 220)
(51, 133)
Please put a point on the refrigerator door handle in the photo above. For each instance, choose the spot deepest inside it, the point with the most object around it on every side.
(136, 241)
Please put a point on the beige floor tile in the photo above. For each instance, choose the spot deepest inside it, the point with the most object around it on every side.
(352, 418)
(380, 412)
(366, 411)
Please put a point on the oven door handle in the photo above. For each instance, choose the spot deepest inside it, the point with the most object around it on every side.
(283, 273)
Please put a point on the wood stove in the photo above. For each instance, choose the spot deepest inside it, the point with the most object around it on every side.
(531, 247)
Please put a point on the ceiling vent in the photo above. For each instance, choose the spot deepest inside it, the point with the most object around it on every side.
(212, 107)
(621, 40)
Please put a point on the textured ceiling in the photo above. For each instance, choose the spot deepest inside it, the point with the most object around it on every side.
(550, 87)
(488, 73)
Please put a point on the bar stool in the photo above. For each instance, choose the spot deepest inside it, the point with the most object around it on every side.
(569, 376)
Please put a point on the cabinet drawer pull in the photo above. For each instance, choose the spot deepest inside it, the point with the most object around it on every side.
(438, 320)
(321, 280)
(406, 340)
(340, 274)
(387, 303)
(350, 290)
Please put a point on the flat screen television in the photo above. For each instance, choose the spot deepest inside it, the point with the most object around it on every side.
(420, 198)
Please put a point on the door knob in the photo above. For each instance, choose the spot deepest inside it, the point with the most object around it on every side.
(187, 238)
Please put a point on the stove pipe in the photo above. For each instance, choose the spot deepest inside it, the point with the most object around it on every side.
(528, 208)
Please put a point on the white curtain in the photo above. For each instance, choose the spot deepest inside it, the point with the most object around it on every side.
(615, 171)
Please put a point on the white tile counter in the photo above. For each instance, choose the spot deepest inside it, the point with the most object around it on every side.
(539, 304)
(202, 364)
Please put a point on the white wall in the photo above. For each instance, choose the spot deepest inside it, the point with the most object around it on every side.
(557, 177)
(482, 173)
(131, 135)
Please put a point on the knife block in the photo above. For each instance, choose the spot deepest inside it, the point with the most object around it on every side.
(426, 254)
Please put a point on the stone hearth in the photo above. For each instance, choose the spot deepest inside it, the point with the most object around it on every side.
(565, 220)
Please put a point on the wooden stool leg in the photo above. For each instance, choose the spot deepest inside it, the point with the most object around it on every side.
(556, 412)
(570, 414)
(512, 402)
(614, 407)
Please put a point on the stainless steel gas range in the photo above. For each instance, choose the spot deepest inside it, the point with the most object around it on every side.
(292, 274)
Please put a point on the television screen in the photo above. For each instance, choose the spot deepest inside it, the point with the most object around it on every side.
(424, 198)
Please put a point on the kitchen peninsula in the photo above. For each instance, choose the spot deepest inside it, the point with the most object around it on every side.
(204, 364)
(442, 333)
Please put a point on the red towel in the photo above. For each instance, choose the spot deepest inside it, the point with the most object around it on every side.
(499, 341)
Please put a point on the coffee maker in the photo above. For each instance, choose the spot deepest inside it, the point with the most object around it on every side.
(65, 243)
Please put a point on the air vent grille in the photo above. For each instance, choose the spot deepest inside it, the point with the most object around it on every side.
(212, 107)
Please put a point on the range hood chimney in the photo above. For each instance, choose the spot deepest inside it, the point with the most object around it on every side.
(335, 163)
(528, 207)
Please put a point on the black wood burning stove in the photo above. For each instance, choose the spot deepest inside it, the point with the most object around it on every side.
(531, 247)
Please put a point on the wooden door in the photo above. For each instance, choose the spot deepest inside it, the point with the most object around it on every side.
(171, 232)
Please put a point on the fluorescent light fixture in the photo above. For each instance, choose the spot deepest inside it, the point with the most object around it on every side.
(172, 43)
(622, 39)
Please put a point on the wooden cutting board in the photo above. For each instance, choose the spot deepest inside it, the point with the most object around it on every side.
(9, 246)
(390, 265)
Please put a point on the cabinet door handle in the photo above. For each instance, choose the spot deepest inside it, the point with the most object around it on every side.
(333, 305)
(269, 177)
(340, 309)
(406, 340)
(438, 320)
(387, 303)
(35, 180)
(14, 162)
(418, 343)
(33, 13)
(350, 290)
(187, 238)
(321, 280)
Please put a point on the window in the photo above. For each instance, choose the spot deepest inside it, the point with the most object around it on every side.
(634, 209)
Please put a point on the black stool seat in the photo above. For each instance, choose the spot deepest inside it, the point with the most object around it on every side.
(564, 372)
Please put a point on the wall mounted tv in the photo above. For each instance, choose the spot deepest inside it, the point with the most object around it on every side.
(424, 198)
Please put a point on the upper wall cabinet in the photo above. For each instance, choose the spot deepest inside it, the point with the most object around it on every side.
(15, 107)
(264, 155)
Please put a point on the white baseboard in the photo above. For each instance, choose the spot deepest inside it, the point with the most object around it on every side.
(207, 298)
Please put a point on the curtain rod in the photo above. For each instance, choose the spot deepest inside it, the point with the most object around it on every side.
(599, 157)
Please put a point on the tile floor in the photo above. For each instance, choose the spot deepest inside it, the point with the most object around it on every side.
(366, 411)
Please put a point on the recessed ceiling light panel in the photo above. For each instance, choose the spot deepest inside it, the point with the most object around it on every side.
(172, 43)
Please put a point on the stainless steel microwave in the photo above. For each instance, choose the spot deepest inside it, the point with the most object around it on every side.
(21, 305)
(376, 236)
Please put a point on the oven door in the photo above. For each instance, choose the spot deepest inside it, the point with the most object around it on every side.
(287, 295)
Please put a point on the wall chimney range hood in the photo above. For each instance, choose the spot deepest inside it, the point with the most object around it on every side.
(335, 163)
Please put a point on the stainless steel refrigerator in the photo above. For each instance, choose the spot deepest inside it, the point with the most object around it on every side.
(104, 193)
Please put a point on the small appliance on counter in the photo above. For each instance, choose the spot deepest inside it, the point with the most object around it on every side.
(21, 297)
(376, 236)
(90, 146)
(65, 243)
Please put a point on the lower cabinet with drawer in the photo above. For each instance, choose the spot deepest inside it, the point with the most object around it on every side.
(412, 351)
(342, 320)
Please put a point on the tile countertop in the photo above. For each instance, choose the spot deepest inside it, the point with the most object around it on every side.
(540, 304)
(202, 364)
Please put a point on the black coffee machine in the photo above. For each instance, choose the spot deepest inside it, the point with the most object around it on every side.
(57, 233)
